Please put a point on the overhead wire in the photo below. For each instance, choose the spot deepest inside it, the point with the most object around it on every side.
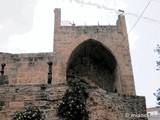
(133, 25)
(116, 11)
(144, 18)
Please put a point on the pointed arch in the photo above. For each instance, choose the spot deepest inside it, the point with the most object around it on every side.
(95, 63)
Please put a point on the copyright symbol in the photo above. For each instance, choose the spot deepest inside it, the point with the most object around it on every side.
(127, 115)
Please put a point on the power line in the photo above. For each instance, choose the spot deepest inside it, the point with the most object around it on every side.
(133, 25)
(144, 18)
(116, 11)
(140, 16)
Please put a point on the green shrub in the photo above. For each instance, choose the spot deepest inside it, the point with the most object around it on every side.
(30, 113)
(72, 105)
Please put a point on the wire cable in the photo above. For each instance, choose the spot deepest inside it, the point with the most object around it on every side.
(116, 11)
(133, 26)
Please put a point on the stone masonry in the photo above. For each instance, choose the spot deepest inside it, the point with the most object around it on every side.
(101, 56)
(100, 104)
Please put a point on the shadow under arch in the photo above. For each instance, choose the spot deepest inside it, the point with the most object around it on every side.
(94, 63)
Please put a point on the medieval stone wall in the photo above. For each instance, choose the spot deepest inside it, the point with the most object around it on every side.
(15, 98)
(30, 68)
(27, 74)
(100, 104)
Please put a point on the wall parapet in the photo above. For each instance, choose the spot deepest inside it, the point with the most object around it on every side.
(28, 68)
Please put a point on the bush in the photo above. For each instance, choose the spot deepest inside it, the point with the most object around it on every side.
(72, 105)
(157, 94)
(30, 113)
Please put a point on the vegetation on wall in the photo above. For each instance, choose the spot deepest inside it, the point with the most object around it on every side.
(157, 94)
(158, 61)
(72, 105)
(30, 113)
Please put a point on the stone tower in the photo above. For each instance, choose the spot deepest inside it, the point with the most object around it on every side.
(98, 54)
(105, 48)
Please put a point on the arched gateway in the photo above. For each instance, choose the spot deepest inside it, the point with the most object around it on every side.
(92, 61)
(100, 54)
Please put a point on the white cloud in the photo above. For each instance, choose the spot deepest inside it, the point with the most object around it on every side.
(1, 26)
(40, 38)
(133, 37)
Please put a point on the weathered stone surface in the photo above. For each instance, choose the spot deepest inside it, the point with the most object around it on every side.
(27, 74)
(30, 95)
(111, 106)
(26, 68)
(3, 79)
(16, 104)
(100, 104)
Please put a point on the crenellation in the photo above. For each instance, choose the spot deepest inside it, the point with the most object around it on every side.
(80, 30)
(27, 68)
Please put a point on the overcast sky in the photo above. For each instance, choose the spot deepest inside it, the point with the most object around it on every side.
(27, 26)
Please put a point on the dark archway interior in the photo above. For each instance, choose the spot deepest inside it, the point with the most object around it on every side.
(94, 63)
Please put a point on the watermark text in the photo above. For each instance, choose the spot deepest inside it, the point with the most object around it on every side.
(136, 115)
